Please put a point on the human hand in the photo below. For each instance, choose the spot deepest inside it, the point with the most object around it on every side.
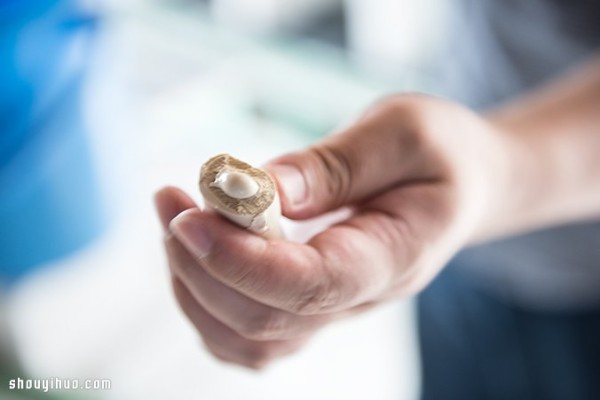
(422, 178)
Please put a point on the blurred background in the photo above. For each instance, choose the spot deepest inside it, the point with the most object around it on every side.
(104, 102)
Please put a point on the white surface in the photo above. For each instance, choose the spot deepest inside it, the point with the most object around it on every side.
(108, 312)
(390, 38)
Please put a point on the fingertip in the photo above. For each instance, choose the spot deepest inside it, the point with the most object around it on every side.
(165, 192)
(291, 185)
(199, 231)
(190, 230)
(164, 205)
(169, 202)
(313, 181)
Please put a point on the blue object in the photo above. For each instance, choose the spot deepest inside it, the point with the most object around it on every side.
(475, 345)
(49, 197)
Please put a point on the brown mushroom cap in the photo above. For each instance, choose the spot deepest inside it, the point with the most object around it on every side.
(250, 206)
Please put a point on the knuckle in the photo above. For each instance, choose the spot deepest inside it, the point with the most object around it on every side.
(338, 169)
(422, 125)
(267, 324)
(334, 287)
(412, 102)
(318, 298)
(416, 111)
(239, 275)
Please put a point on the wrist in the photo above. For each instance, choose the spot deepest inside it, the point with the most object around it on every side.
(523, 191)
(511, 180)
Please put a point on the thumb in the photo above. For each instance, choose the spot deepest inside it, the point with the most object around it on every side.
(346, 168)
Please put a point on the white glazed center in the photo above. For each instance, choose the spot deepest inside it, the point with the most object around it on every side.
(236, 184)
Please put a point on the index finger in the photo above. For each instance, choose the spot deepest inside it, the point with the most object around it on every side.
(340, 268)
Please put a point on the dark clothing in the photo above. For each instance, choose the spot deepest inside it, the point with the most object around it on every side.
(476, 347)
(495, 51)
(517, 318)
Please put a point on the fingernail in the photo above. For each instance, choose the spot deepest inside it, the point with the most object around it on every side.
(291, 182)
(194, 236)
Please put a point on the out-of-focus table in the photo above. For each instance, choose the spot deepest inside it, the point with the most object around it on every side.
(169, 92)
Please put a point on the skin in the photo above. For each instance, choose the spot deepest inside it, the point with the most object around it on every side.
(424, 177)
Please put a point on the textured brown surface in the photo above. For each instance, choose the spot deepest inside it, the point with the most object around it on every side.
(249, 206)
